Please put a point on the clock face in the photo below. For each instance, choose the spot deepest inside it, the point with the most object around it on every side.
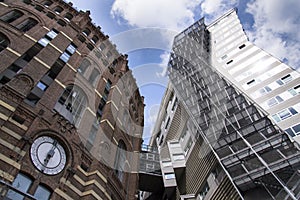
(48, 155)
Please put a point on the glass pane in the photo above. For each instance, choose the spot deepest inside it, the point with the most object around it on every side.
(71, 49)
(65, 57)
(44, 42)
(276, 118)
(42, 86)
(279, 82)
(284, 114)
(52, 34)
(296, 128)
(42, 193)
(22, 183)
(293, 111)
(271, 102)
(169, 176)
(290, 132)
(279, 99)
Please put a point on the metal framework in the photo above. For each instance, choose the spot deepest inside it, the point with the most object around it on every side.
(252, 150)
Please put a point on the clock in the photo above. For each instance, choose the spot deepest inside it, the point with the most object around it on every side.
(48, 155)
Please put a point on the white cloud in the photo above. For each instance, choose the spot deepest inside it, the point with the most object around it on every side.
(164, 64)
(212, 9)
(276, 28)
(169, 14)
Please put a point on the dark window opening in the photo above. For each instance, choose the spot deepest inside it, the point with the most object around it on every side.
(229, 62)
(50, 15)
(90, 46)
(250, 82)
(95, 39)
(48, 3)
(4, 42)
(33, 51)
(242, 46)
(27, 24)
(86, 32)
(58, 10)
(39, 8)
(11, 16)
(18, 119)
(68, 17)
(61, 22)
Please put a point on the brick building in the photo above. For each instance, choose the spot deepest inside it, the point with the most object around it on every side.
(67, 103)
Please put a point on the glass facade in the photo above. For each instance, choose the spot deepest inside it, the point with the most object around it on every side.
(250, 148)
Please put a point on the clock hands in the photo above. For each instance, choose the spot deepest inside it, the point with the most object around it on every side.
(50, 153)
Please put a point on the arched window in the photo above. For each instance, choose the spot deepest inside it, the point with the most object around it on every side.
(120, 160)
(58, 10)
(4, 42)
(48, 3)
(94, 76)
(86, 32)
(27, 24)
(11, 16)
(95, 39)
(68, 16)
(71, 104)
(22, 182)
(50, 15)
(84, 65)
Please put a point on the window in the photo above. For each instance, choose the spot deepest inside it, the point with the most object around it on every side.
(95, 39)
(70, 50)
(224, 57)
(120, 160)
(48, 37)
(72, 103)
(284, 114)
(61, 22)
(93, 77)
(177, 157)
(42, 86)
(33, 51)
(229, 62)
(42, 193)
(50, 15)
(251, 82)
(22, 183)
(86, 32)
(242, 46)
(91, 138)
(203, 192)
(102, 46)
(48, 3)
(84, 65)
(68, 16)
(294, 130)
(169, 176)
(108, 54)
(39, 8)
(58, 10)
(27, 24)
(287, 78)
(167, 124)
(4, 42)
(11, 16)
(108, 85)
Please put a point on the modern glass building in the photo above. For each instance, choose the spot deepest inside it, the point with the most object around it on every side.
(218, 134)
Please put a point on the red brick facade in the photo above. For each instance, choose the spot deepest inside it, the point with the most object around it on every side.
(35, 77)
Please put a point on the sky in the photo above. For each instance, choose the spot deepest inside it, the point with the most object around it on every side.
(144, 29)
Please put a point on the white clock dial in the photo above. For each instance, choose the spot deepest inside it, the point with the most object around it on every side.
(48, 155)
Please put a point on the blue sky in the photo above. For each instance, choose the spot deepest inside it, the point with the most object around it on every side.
(144, 29)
